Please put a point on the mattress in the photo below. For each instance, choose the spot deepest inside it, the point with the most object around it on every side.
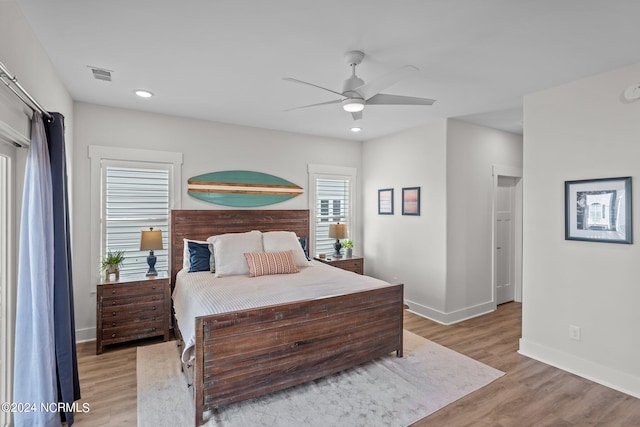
(200, 294)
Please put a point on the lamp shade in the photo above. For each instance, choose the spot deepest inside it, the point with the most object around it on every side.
(338, 231)
(150, 240)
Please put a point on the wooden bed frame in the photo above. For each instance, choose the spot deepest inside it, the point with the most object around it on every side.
(249, 353)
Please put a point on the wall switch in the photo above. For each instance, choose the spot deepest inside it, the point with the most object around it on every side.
(574, 332)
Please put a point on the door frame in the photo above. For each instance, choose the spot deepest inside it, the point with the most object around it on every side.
(8, 279)
(511, 172)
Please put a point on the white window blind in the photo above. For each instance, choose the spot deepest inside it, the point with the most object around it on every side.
(135, 198)
(332, 206)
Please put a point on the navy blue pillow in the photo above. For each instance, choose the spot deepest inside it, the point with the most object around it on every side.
(199, 257)
(303, 243)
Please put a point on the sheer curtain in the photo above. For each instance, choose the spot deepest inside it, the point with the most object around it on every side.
(35, 367)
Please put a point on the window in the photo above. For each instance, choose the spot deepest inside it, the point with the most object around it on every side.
(332, 197)
(332, 201)
(135, 198)
(131, 190)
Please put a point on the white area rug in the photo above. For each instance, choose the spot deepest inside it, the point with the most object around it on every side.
(389, 391)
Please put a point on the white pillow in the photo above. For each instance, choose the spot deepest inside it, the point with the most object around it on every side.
(229, 250)
(280, 241)
(186, 257)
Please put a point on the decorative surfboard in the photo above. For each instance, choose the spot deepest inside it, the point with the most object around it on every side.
(241, 188)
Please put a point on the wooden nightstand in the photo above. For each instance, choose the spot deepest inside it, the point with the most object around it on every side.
(131, 308)
(354, 263)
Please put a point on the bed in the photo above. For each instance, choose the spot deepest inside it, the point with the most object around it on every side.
(242, 353)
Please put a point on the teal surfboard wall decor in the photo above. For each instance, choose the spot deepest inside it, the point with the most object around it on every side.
(241, 188)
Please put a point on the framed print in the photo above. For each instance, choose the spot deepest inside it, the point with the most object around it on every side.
(411, 201)
(385, 201)
(598, 210)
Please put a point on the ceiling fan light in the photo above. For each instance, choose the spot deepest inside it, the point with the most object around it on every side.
(353, 105)
(356, 129)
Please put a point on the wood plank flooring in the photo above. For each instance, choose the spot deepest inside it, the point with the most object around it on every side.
(530, 394)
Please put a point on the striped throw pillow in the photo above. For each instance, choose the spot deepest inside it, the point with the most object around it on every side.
(265, 263)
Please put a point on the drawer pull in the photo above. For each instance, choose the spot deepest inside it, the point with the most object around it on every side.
(153, 308)
(113, 324)
(113, 292)
(114, 303)
(153, 287)
(113, 335)
(153, 317)
(153, 298)
(153, 329)
(113, 313)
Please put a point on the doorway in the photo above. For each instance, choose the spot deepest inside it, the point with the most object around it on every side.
(507, 235)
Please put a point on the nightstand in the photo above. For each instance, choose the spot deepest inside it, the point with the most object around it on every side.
(354, 263)
(132, 308)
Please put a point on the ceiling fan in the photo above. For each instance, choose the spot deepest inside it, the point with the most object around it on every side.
(356, 93)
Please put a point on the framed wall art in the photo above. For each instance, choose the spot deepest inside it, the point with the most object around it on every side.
(411, 201)
(598, 210)
(385, 201)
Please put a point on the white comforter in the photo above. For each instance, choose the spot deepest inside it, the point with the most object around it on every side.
(199, 294)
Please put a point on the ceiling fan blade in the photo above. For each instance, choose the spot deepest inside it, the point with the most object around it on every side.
(291, 79)
(357, 115)
(368, 90)
(335, 101)
(384, 99)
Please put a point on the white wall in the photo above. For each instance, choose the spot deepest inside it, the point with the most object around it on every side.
(443, 256)
(578, 131)
(206, 147)
(408, 249)
(472, 151)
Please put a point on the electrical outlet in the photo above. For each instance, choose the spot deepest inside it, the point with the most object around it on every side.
(574, 332)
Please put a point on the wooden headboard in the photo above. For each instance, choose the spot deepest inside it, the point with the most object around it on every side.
(200, 224)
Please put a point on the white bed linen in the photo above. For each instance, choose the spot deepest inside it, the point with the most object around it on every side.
(200, 293)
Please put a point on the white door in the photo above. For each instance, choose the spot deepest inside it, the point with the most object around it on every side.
(505, 240)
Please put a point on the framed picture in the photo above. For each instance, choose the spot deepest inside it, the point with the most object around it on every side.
(411, 201)
(385, 201)
(598, 210)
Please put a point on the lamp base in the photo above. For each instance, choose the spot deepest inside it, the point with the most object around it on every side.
(151, 260)
(337, 247)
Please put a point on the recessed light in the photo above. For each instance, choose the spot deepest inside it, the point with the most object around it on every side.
(356, 129)
(143, 93)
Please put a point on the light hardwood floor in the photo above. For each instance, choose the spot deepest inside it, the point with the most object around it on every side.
(530, 394)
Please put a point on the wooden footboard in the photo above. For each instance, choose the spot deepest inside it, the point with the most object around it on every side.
(249, 353)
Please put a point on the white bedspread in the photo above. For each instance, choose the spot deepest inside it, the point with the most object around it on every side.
(200, 294)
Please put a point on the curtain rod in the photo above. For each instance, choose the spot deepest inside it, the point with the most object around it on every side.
(30, 101)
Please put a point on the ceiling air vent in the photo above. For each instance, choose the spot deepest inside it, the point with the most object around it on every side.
(101, 74)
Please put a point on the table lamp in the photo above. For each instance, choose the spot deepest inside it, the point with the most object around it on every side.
(151, 240)
(338, 231)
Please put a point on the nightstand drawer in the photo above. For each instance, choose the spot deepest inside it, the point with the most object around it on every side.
(142, 330)
(120, 321)
(128, 290)
(128, 300)
(132, 310)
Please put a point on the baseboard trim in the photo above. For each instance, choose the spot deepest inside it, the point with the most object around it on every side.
(451, 317)
(86, 334)
(604, 375)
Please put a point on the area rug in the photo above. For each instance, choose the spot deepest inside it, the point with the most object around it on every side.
(389, 391)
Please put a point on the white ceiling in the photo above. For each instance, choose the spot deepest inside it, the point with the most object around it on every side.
(224, 60)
